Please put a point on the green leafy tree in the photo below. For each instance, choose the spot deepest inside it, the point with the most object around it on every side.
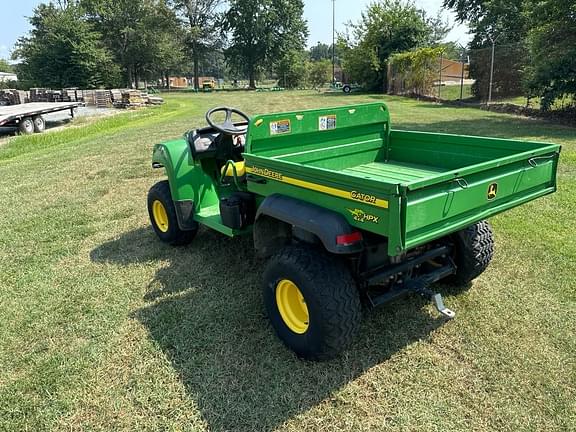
(204, 36)
(292, 70)
(415, 70)
(552, 44)
(261, 32)
(321, 51)
(63, 50)
(386, 27)
(5, 66)
(452, 50)
(140, 33)
(501, 19)
(320, 73)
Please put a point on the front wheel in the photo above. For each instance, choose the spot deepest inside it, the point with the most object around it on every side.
(312, 302)
(163, 216)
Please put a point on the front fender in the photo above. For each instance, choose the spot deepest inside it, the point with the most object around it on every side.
(188, 181)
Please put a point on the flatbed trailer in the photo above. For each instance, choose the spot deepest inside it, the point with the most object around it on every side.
(28, 118)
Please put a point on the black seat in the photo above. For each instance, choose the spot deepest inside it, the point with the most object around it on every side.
(207, 143)
(204, 143)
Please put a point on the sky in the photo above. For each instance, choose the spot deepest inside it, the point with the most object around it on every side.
(318, 13)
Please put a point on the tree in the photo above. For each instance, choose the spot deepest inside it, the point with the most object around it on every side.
(502, 19)
(321, 51)
(204, 32)
(261, 31)
(63, 50)
(386, 27)
(415, 71)
(320, 73)
(552, 44)
(292, 69)
(5, 66)
(140, 33)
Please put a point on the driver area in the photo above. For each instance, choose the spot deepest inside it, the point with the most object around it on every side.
(222, 143)
(208, 143)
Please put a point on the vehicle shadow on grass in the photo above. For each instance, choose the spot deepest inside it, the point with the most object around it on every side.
(205, 312)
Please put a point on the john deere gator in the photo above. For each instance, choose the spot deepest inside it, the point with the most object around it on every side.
(348, 212)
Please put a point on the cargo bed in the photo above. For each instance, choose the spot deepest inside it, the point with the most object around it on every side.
(411, 187)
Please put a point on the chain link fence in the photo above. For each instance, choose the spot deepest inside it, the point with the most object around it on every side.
(492, 75)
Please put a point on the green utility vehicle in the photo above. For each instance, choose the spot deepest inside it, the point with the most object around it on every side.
(347, 211)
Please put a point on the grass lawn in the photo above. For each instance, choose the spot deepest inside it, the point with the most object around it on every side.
(105, 328)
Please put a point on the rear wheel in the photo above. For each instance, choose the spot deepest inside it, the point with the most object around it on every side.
(312, 302)
(26, 126)
(163, 216)
(473, 251)
(346, 88)
(39, 124)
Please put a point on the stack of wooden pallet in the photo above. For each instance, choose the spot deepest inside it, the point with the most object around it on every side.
(88, 96)
(116, 96)
(38, 95)
(71, 95)
(131, 99)
(13, 97)
(103, 98)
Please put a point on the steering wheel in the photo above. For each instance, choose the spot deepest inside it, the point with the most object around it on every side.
(227, 127)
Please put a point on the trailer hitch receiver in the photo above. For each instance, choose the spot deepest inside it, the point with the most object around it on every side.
(420, 287)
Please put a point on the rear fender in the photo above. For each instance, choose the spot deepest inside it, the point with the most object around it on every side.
(325, 224)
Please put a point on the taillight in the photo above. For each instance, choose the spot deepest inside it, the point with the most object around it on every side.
(349, 239)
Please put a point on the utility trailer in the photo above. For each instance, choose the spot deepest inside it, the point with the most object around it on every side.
(28, 118)
(347, 210)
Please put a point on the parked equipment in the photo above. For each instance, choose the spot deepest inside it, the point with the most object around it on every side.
(28, 118)
(346, 210)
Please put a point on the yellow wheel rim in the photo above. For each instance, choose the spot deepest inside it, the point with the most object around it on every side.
(292, 306)
(160, 216)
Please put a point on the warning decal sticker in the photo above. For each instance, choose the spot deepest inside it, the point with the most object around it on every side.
(327, 122)
(280, 127)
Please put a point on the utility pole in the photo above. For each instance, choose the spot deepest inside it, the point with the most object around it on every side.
(440, 77)
(493, 40)
(462, 65)
(333, 42)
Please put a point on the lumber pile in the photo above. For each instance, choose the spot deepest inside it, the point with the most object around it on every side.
(88, 97)
(39, 95)
(72, 95)
(13, 97)
(119, 98)
(116, 96)
(131, 99)
(103, 98)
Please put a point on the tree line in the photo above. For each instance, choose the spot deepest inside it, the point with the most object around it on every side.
(113, 43)
(539, 58)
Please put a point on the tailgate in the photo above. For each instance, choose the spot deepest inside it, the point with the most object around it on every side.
(433, 210)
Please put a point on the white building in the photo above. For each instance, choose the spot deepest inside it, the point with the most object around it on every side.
(8, 76)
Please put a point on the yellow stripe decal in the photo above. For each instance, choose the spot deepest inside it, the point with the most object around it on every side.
(351, 195)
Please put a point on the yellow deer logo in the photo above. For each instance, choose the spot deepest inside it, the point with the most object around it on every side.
(492, 191)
